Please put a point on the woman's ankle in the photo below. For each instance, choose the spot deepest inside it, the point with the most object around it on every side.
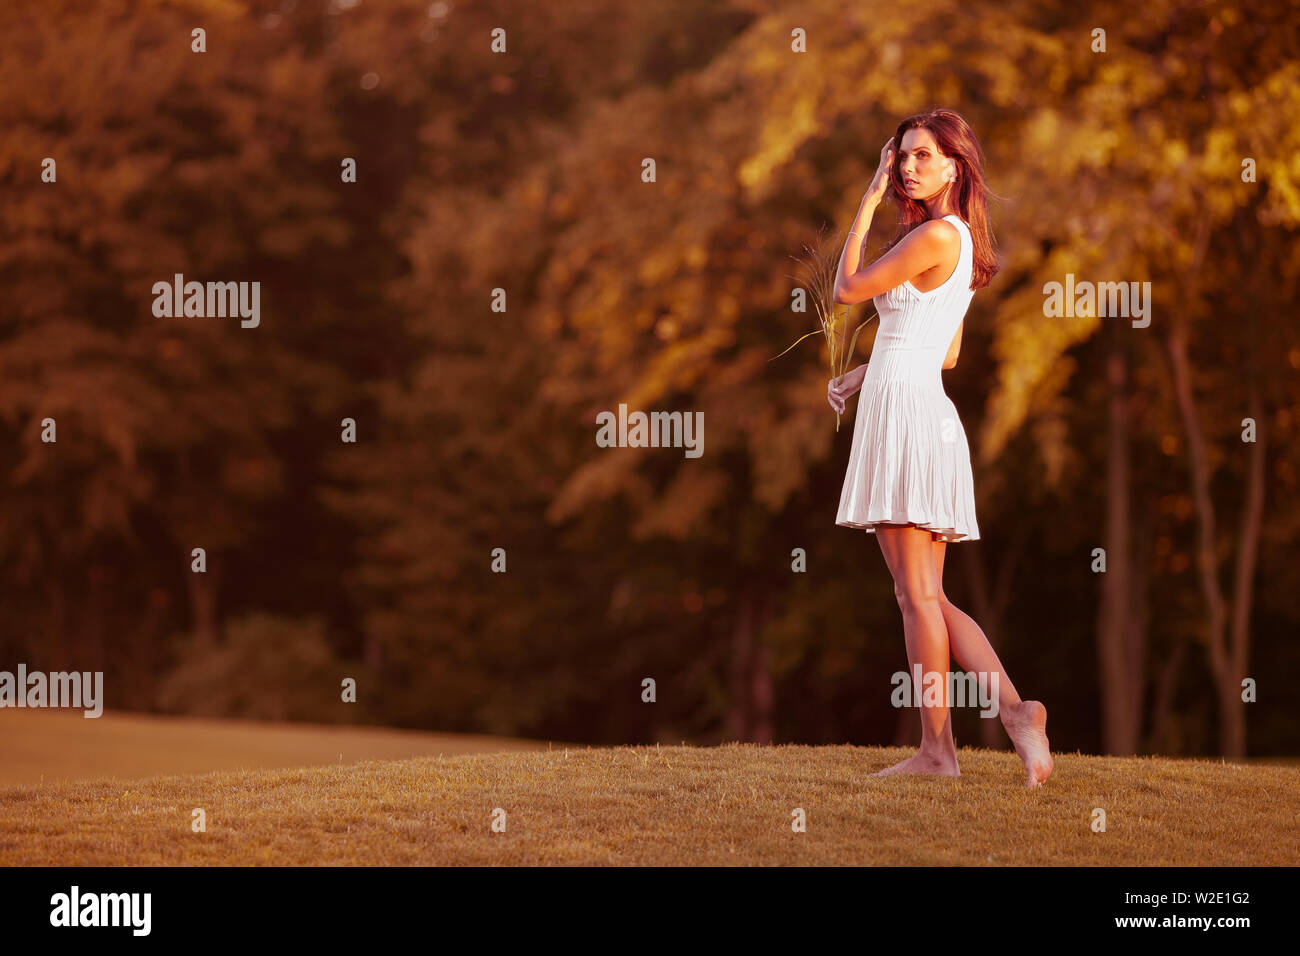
(938, 750)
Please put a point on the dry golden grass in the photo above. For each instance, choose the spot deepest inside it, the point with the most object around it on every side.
(49, 746)
(670, 806)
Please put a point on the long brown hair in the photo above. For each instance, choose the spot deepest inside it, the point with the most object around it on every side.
(956, 142)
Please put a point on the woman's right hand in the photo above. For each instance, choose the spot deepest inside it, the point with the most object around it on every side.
(838, 390)
(880, 182)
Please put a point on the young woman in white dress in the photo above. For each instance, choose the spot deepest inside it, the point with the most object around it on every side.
(909, 474)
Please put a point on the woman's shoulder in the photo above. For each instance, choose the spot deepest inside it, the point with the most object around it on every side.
(939, 227)
(961, 228)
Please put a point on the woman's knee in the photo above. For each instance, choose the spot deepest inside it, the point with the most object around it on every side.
(917, 594)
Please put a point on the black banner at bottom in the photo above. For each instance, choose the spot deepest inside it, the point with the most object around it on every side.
(140, 906)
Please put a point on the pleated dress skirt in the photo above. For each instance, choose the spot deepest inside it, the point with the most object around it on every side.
(910, 462)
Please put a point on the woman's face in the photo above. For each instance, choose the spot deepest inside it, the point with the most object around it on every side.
(920, 166)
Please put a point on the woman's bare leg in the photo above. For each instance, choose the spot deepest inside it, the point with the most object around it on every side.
(1024, 721)
(970, 648)
(910, 559)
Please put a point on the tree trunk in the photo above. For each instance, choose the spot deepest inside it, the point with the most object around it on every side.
(1243, 582)
(742, 644)
(761, 686)
(54, 652)
(907, 729)
(1225, 680)
(750, 716)
(92, 627)
(1243, 589)
(372, 652)
(1227, 652)
(1136, 617)
(1162, 740)
(203, 601)
(149, 636)
(1121, 691)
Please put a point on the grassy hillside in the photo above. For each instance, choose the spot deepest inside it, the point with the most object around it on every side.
(48, 746)
(670, 805)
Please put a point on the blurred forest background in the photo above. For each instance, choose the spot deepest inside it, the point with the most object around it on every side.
(522, 171)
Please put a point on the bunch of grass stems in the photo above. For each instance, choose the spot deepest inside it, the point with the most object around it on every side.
(821, 265)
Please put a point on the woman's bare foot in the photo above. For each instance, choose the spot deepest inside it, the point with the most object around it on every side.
(923, 761)
(1026, 725)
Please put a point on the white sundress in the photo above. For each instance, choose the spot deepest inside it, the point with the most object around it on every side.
(910, 463)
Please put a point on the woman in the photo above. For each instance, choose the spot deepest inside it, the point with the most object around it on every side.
(909, 474)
